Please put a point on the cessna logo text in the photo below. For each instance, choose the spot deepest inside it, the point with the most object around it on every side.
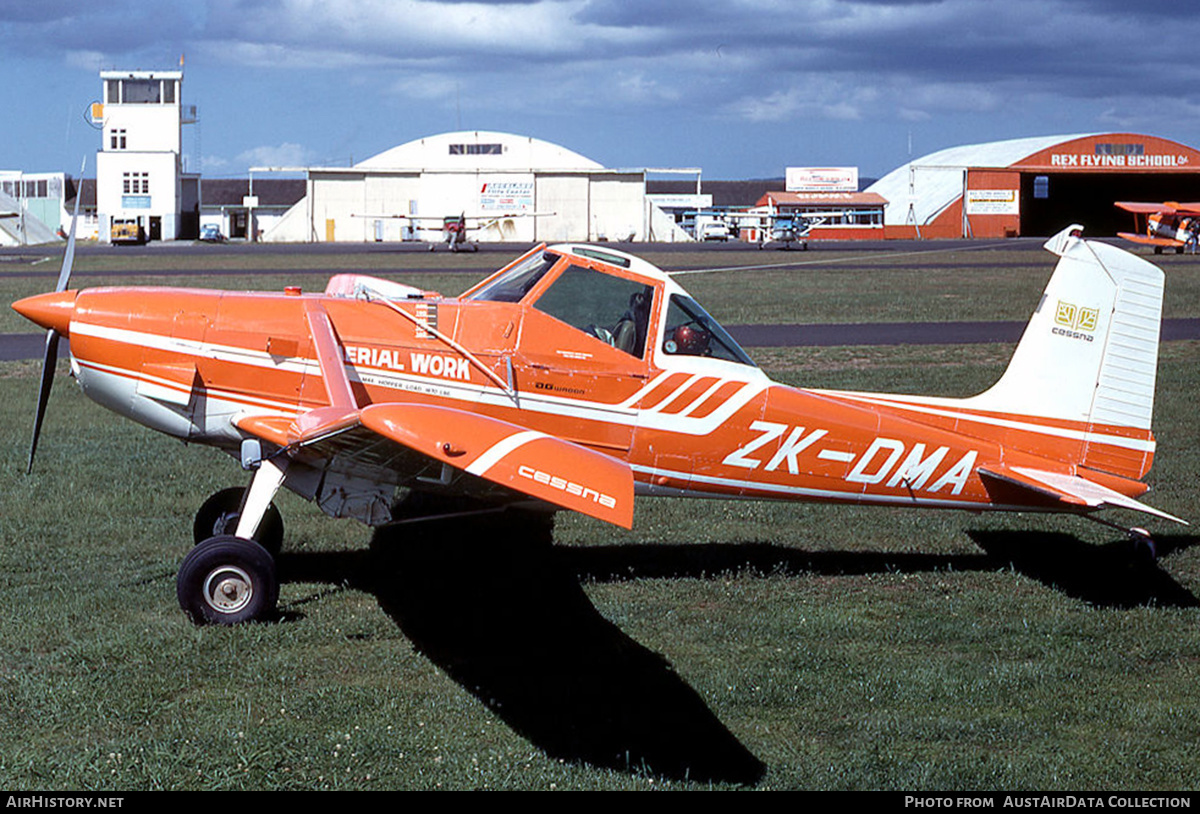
(564, 485)
(886, 459)
(1075, 322)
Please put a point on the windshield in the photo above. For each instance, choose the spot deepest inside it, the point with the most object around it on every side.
(515, 283)
(692, 332)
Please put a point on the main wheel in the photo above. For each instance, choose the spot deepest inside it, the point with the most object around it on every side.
(220, 514)
(226, 581)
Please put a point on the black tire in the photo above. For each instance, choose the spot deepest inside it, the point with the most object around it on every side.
(1143, 549)
(220, 514)
(227, 581)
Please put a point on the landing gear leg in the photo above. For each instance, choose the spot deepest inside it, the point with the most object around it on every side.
(267, 480)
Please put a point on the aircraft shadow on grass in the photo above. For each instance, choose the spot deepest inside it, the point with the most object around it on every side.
(493, 605)
(499, 609)
(1110, 575)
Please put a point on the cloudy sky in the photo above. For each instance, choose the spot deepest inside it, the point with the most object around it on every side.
(740, 88)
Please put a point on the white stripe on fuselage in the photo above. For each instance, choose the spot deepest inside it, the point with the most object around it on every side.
(622, 414)
(944, 409)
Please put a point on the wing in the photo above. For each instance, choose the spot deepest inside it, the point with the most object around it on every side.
(468, 453)
(1143, 208)
(1146, 240)
(1165, 208)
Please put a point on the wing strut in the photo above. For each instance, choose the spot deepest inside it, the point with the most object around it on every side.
(457, 348)
(329, 357)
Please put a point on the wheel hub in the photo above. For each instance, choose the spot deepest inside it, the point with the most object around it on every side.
(228, 589)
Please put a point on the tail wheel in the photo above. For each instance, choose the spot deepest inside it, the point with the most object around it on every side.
(220, 514)
(226, 581)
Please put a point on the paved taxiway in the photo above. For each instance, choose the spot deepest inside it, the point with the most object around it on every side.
(25, 263)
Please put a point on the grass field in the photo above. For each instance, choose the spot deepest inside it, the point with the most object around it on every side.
(756, 645)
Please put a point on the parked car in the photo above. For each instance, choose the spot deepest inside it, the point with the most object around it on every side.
(714, 230)
(211, 233)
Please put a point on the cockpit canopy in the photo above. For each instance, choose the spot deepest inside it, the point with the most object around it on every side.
(601, 293)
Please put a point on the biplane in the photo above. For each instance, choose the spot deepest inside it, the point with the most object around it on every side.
(1167, 225)
(576, 378)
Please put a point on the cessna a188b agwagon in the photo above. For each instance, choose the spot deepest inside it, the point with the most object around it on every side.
(578, 377)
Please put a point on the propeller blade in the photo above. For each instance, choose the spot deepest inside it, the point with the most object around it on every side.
(50, 360)
(64, 275)
(48, 363)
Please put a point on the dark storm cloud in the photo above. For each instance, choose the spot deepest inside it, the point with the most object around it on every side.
(1021, 66)
(113, 27)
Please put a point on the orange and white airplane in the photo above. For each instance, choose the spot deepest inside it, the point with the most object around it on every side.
(577, 377)
(1167, 225)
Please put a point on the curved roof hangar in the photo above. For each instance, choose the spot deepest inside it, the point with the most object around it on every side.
(1035, 186)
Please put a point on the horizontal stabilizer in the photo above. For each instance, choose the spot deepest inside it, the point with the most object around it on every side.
(1069, 492)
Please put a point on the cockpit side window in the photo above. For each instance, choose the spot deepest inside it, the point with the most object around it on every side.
(612, 309)
(692, 332)
(518, 280)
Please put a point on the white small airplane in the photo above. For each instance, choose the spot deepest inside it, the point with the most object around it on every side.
(455, 228)
(783, 228)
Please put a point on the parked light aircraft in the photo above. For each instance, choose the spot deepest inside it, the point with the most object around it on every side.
(577, 377)
(1167, 225)
(455, 229)
(784, 228)
(788, 229)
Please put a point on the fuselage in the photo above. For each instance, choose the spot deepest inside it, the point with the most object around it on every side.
(191, 363)
(1173, 227)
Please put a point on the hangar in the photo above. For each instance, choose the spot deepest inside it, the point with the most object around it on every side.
(1035, 186)
(549, 192)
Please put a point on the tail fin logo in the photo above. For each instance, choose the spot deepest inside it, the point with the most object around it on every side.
(1081, 321)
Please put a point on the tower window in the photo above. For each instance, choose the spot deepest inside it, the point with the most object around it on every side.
(135, 183)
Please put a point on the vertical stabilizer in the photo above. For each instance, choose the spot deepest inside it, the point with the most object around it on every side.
(1090, 352)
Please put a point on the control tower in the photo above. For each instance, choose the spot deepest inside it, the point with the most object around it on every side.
(139, 168)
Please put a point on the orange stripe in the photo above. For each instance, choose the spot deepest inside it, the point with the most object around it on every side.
(713, 402)
(688, 396)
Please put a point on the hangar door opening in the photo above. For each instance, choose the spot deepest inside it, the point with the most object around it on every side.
(1053, 201)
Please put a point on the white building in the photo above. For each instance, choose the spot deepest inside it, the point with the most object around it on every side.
(547, 192)
(31, 207)
(139, 174)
